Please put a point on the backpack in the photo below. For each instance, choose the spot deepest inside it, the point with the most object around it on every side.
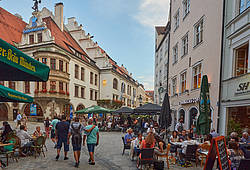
(76, 135)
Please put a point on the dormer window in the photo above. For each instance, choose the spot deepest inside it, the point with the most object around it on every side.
(39, 37)
(31, 39)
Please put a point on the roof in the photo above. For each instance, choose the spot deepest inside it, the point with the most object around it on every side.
(160, 29)
(11, 27)
(64, 39)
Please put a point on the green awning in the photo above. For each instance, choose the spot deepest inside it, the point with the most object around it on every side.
(10, 95)
(17, 66)
(94, 109)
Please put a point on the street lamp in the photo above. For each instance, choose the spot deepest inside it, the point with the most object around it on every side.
(140, 100)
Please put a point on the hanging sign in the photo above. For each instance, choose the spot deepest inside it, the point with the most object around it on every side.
(33, 110)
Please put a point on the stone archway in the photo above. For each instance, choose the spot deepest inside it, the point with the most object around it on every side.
(33, 109)
(181, 114)
(3, 112)
(80, 107)
(193, 113)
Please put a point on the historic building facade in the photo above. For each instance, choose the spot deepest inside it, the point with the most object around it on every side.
(195, 50)
(235, 70)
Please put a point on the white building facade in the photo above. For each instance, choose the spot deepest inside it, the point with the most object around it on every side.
(235, 76)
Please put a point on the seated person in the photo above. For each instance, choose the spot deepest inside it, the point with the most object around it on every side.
(183, 136)
(137, 144)
(245, 138)
(151, 129)
(234, 137)
(25, 139)
(128, 137)
(148, 142)
(161, 146)
(6, 131)
(185, 143)
(174, 137)
(38, 132)
(235, 155)
(208, 139)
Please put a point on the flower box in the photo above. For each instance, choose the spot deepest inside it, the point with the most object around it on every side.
(67, 93)
(36, 91)
(52, 91)
(61, 92)
(43, 91)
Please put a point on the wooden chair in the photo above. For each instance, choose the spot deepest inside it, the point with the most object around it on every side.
(44, 142)
(166, 155)
(38, 146)
(146, 157)
(10, 154)
(125, 146)
(203, 147)
(191, 153)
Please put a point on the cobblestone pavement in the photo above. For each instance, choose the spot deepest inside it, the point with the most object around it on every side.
(108, 156)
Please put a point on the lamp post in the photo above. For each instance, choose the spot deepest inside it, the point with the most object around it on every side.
(140, 100)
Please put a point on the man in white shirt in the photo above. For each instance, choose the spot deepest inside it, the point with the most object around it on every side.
(151, 129)
(187, 142)
(25, 139)
(179, 125)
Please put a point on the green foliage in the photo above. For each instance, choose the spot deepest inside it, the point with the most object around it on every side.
(233, 126)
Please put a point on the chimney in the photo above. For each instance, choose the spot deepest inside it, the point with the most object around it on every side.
(59, 15)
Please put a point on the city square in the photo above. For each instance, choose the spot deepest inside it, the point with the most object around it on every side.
(145, 84)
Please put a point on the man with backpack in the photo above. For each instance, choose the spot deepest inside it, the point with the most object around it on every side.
(76, 130)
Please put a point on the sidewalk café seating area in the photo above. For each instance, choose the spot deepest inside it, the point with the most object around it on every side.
(195, 154)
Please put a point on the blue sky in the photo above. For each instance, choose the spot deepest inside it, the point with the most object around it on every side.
(123, 28)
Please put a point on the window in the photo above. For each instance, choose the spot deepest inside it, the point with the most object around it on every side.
(67, 90)
(44, 60)
(96, 96)
(96, 79)
(244, 4)
(241, 60)
(37, 86)
(2, 83)
(12, 85)
(115, 84)
(128, 90)
(61, 65)
(52, 85)
(91, 94)
(186, 7)
(175, 54)
(183, 82)
(76, 71)
(174, 86)
(44, 85)
(53, 64)
(27, 87)
(66, 66)
(185, 45)
(31, 39)
(76, 91)
(82, 92)
(176, 20)
(91, 77)
(123, 88)
(39, 37)
(60, 86)
(197, 76)
(82, 73)
(198, 32)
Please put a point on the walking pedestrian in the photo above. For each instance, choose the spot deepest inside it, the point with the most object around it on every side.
(92, 140)
(24, 120)
(76, 130)
(18, 119)
(53, 129)
(62, 130)
(47, 126)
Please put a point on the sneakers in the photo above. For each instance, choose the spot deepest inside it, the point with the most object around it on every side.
(66, 158)
(77, 164)
(55, 146)
(57, 157)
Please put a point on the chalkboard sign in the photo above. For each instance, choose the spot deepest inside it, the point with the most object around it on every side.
(217, 148)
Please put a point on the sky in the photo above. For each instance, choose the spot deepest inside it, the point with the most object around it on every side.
(123, 28)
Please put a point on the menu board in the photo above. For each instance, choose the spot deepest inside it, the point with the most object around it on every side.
(217, 148)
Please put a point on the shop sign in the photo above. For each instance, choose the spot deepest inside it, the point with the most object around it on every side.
(243, 88)
(188, 101)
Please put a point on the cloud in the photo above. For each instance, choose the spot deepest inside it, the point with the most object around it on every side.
(147, 81)
(153, 12)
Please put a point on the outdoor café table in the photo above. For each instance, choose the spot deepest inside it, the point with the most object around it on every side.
(5, 144)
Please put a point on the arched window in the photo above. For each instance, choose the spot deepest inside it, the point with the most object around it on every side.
(80, 107)
(123, 88)
(33, 109)
(115, 83)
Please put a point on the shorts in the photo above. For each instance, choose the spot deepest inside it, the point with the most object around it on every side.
(76, 147)
(91, 147)
(19, 122)
(63, 141)
(53, 135)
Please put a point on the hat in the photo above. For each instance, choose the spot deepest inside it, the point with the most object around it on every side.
(129, 129)
(151, 126)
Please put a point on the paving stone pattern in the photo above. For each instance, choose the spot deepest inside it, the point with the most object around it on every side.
(108, 156)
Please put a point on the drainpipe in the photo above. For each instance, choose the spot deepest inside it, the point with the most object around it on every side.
(221, 65)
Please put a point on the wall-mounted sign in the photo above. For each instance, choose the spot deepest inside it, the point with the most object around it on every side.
(33, 110)
(188, 101)
(243, 88)
(33, 30)
(104, 82)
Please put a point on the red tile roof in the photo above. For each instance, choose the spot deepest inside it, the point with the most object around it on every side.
(63, 39)
(11, 27)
